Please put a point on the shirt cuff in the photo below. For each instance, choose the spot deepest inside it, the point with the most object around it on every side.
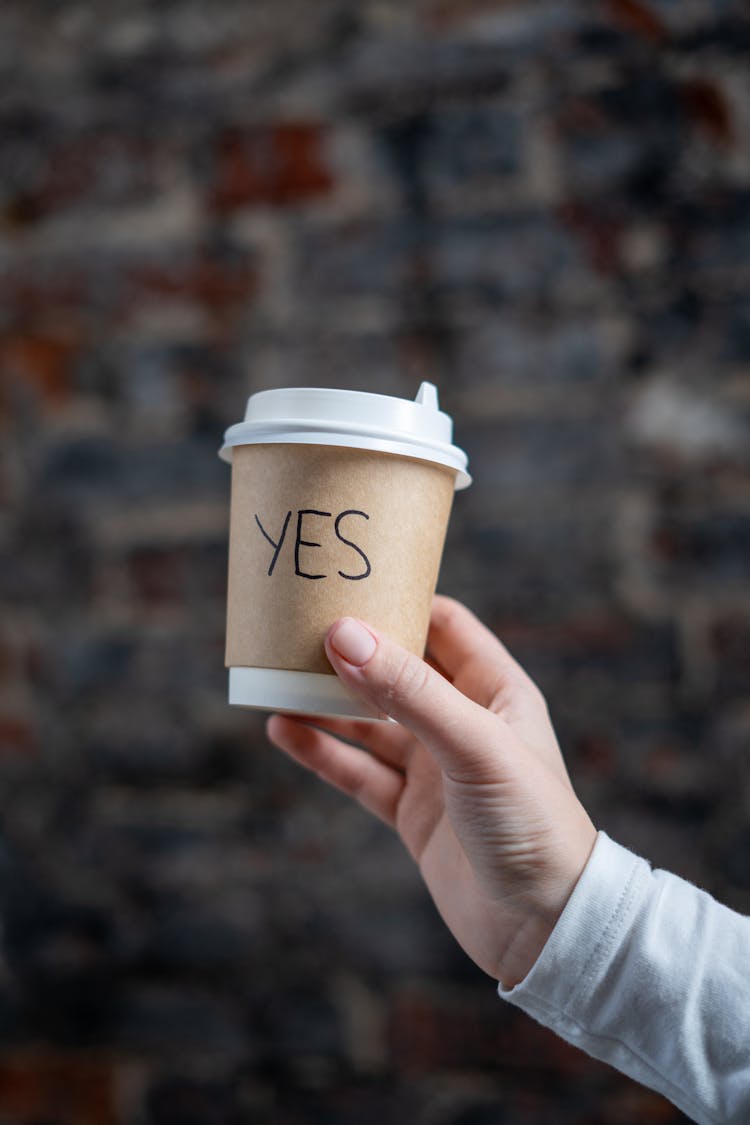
(586, 933)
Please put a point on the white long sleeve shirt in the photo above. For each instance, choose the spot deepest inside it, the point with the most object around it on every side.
(652, 975)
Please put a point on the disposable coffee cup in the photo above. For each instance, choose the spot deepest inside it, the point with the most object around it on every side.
(340, 505)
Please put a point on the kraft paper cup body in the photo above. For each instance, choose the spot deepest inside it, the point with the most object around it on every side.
(319, 530)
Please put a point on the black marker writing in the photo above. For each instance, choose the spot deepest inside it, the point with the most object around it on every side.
(300, 542)
(365, 573)
(276, 546)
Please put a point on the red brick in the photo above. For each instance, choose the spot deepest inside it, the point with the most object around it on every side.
(16, 735)
(204, 278)
(8, 658)
(708, 109)
(43, 360)
(279, 165)
(639, 18)
(447, 14)
(596, 754)
(31, 290)
(731, 638)
(74, 1089)
(157, 575)
(430, 1032)
(631, 1103)
(599, 234)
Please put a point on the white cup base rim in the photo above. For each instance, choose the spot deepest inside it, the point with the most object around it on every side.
(307, 693)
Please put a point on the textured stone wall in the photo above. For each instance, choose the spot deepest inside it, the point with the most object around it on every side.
(544, 208)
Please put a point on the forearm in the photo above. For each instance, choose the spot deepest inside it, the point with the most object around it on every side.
(650, 974)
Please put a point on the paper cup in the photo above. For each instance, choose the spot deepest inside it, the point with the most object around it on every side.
(340, 504)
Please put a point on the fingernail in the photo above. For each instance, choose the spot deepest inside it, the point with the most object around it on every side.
(353, 642)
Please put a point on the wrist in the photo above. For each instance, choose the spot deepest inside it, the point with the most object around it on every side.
(524, 950)
(543, 913)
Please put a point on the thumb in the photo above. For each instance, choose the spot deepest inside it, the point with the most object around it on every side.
(464, 738)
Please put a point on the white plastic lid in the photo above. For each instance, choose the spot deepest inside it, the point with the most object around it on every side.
(325, 416)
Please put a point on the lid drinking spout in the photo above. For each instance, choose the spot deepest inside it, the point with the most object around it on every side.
(427, 395)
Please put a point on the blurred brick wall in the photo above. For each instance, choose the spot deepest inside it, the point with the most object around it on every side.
(543, 207)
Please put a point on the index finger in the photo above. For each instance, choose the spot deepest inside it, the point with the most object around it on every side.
(388, 741)
(457, 639)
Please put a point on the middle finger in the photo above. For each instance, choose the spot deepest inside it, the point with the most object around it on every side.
(391, 742)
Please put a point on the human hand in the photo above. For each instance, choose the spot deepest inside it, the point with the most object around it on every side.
(470, 775)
